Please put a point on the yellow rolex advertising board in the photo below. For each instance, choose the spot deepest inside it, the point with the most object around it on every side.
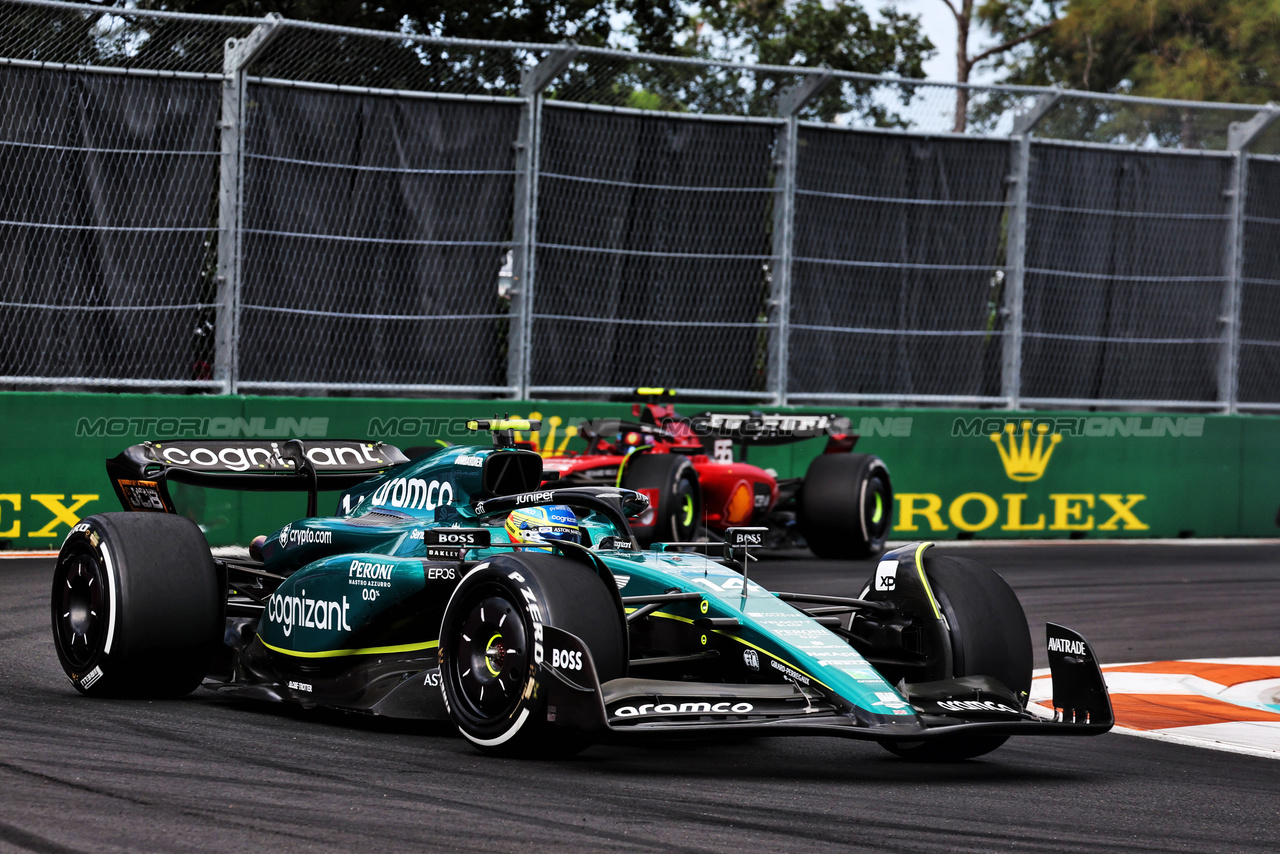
(1031, 502)
(956, 473)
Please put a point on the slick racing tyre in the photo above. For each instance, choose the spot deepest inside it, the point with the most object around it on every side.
(677, 512)
(846, 506)
(989, 637)
(137, 605)
(491, 648)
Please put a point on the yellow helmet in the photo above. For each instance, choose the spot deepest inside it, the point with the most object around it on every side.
(554, 522)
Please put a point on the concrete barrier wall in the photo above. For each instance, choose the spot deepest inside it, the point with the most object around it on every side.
(1071, 474)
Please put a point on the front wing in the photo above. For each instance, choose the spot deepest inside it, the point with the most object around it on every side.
(629, 707)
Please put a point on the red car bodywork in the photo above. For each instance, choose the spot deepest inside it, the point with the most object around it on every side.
(733, 493)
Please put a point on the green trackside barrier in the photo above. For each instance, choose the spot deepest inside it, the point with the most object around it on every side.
(1069, 475)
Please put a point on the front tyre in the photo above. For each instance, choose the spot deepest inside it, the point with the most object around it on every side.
(491, 648)
(989, 637)
(137, 605)
(846, 506)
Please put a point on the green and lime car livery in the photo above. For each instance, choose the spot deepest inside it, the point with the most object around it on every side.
(412, 602)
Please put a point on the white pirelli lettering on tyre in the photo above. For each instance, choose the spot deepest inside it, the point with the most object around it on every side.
(535, 614)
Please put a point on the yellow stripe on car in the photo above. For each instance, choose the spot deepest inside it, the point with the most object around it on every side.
(731, 637)
(338, 653)
(937, 612)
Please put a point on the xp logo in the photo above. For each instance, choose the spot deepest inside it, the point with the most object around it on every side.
(887, 576)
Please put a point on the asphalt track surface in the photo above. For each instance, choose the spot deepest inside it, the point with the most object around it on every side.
(206, 774)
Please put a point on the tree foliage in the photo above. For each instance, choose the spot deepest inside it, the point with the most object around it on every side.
(655, 24)
(1014, 24)
(1193, 50)
(1204, 50)
(841, 36)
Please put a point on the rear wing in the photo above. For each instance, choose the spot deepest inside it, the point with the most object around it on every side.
(740, 428)
(140, 474)
(774, 428)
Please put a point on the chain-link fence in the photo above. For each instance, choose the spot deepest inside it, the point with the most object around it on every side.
(274, 206)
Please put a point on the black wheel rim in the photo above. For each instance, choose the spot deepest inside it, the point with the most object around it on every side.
(684, 511)
(80, 609)
(491, 656)
(877, 510)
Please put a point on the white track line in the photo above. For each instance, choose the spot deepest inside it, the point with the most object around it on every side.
(1252, 738)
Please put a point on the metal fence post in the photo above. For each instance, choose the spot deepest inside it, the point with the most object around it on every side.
(1240, 135)
(237, 55)
(1016, 247)
(533, 81)
(790, 103)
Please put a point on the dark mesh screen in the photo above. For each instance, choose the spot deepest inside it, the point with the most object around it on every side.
(374, 232)
(897, 245)
(106, 215)
(1125, 274)
(1259, 377)
(652, 250)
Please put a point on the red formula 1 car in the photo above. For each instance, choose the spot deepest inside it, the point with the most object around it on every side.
(841, 508)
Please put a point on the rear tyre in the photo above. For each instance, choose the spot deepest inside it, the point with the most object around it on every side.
(989, 637)
(674, 481)
(846, 506)
(491, 645)
(137, 605)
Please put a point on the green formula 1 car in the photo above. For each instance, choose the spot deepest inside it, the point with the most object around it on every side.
(432, 595)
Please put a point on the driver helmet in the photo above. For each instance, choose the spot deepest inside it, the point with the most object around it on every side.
(632, 439)
(543, 524)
